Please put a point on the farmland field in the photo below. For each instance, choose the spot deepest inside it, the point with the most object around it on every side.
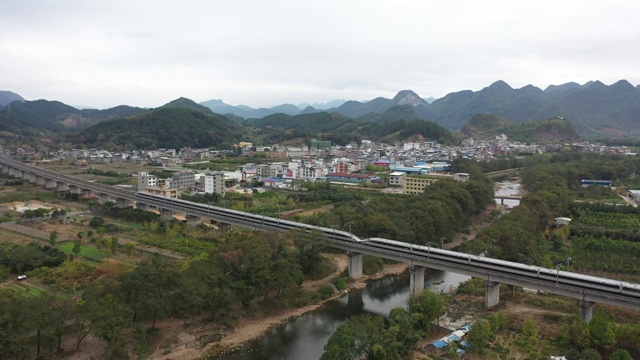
(25, 289)
(88, 252)
(609, 220)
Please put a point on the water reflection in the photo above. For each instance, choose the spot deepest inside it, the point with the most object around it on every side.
(305, 337)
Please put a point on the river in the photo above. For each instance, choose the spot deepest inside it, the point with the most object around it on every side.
(305, 336)
(508, 188)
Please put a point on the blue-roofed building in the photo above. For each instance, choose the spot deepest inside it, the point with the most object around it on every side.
(586, 182)
(412, 170)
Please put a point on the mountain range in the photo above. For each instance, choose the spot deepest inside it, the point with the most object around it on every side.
(349, 108)
(593, 108)
(184, 123)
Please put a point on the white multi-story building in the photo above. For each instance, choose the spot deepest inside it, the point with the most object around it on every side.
(145, 180)
(395, 178)
(214, 183)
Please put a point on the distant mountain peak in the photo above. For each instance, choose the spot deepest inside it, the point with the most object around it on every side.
(408, 97)
(500, 84)
(596, 84)
(622, 84)
(185, 103)
(7, 97)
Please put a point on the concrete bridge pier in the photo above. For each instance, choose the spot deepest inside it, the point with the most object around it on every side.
(355, 265)
(62, 186)
(103, 199)
(122, 203)
(193, 220)
(75, 190)
(33, 178)
(224, 226)
(143, 207)
(26, 176)
(492, 297)
(166, 215)
(87, 193)
(41, 181)
(586, 309)
(416, 279)
(50, 184)
(16, 173)
(4, 169)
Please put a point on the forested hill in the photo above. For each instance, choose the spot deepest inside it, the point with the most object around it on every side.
(342, 129)
(163, 128)
(32, 117)
(177, 124)
(487, 127)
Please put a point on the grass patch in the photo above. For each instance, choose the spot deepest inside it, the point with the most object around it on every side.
(87, 252)
(25, 289)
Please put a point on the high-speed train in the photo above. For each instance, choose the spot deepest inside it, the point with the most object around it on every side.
(219, 213)
(507, 267)
(477, 263)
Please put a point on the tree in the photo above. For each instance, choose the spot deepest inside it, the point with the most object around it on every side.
(621, 354)
(601, 330)
(107, 316)
(426, 308)
(110, 319)
(361, 336)
(590, 354)
(146, 289)
(309, 246)
(77, 247)
(96, 222)
(479, 337)
(53, 237)
(129, 247)
(341, 345)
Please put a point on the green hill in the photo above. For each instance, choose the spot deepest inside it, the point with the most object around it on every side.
(553, 130)
(179, 124)
(341, 129)
(184, 103)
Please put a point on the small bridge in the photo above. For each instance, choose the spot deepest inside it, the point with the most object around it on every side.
(503, 173)
(507, 197)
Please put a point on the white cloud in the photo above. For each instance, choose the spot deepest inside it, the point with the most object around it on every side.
(262, 53)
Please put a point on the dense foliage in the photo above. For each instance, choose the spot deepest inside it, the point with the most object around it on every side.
(230, 275)
(166, 127)
(443, 209)
(549, 131)
(601, 237)
(367, 336)
(342, 130)
(20, 259)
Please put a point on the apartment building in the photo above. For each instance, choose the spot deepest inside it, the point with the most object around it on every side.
(415, 184)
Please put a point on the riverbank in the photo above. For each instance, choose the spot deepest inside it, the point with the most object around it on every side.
(186, 343)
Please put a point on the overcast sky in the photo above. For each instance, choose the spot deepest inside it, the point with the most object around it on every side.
(264, 53)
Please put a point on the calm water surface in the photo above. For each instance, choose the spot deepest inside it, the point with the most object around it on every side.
(305, 337)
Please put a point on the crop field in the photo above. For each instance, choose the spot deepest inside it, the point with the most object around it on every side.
(25, 289)
(609, 220)
(87, 252)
